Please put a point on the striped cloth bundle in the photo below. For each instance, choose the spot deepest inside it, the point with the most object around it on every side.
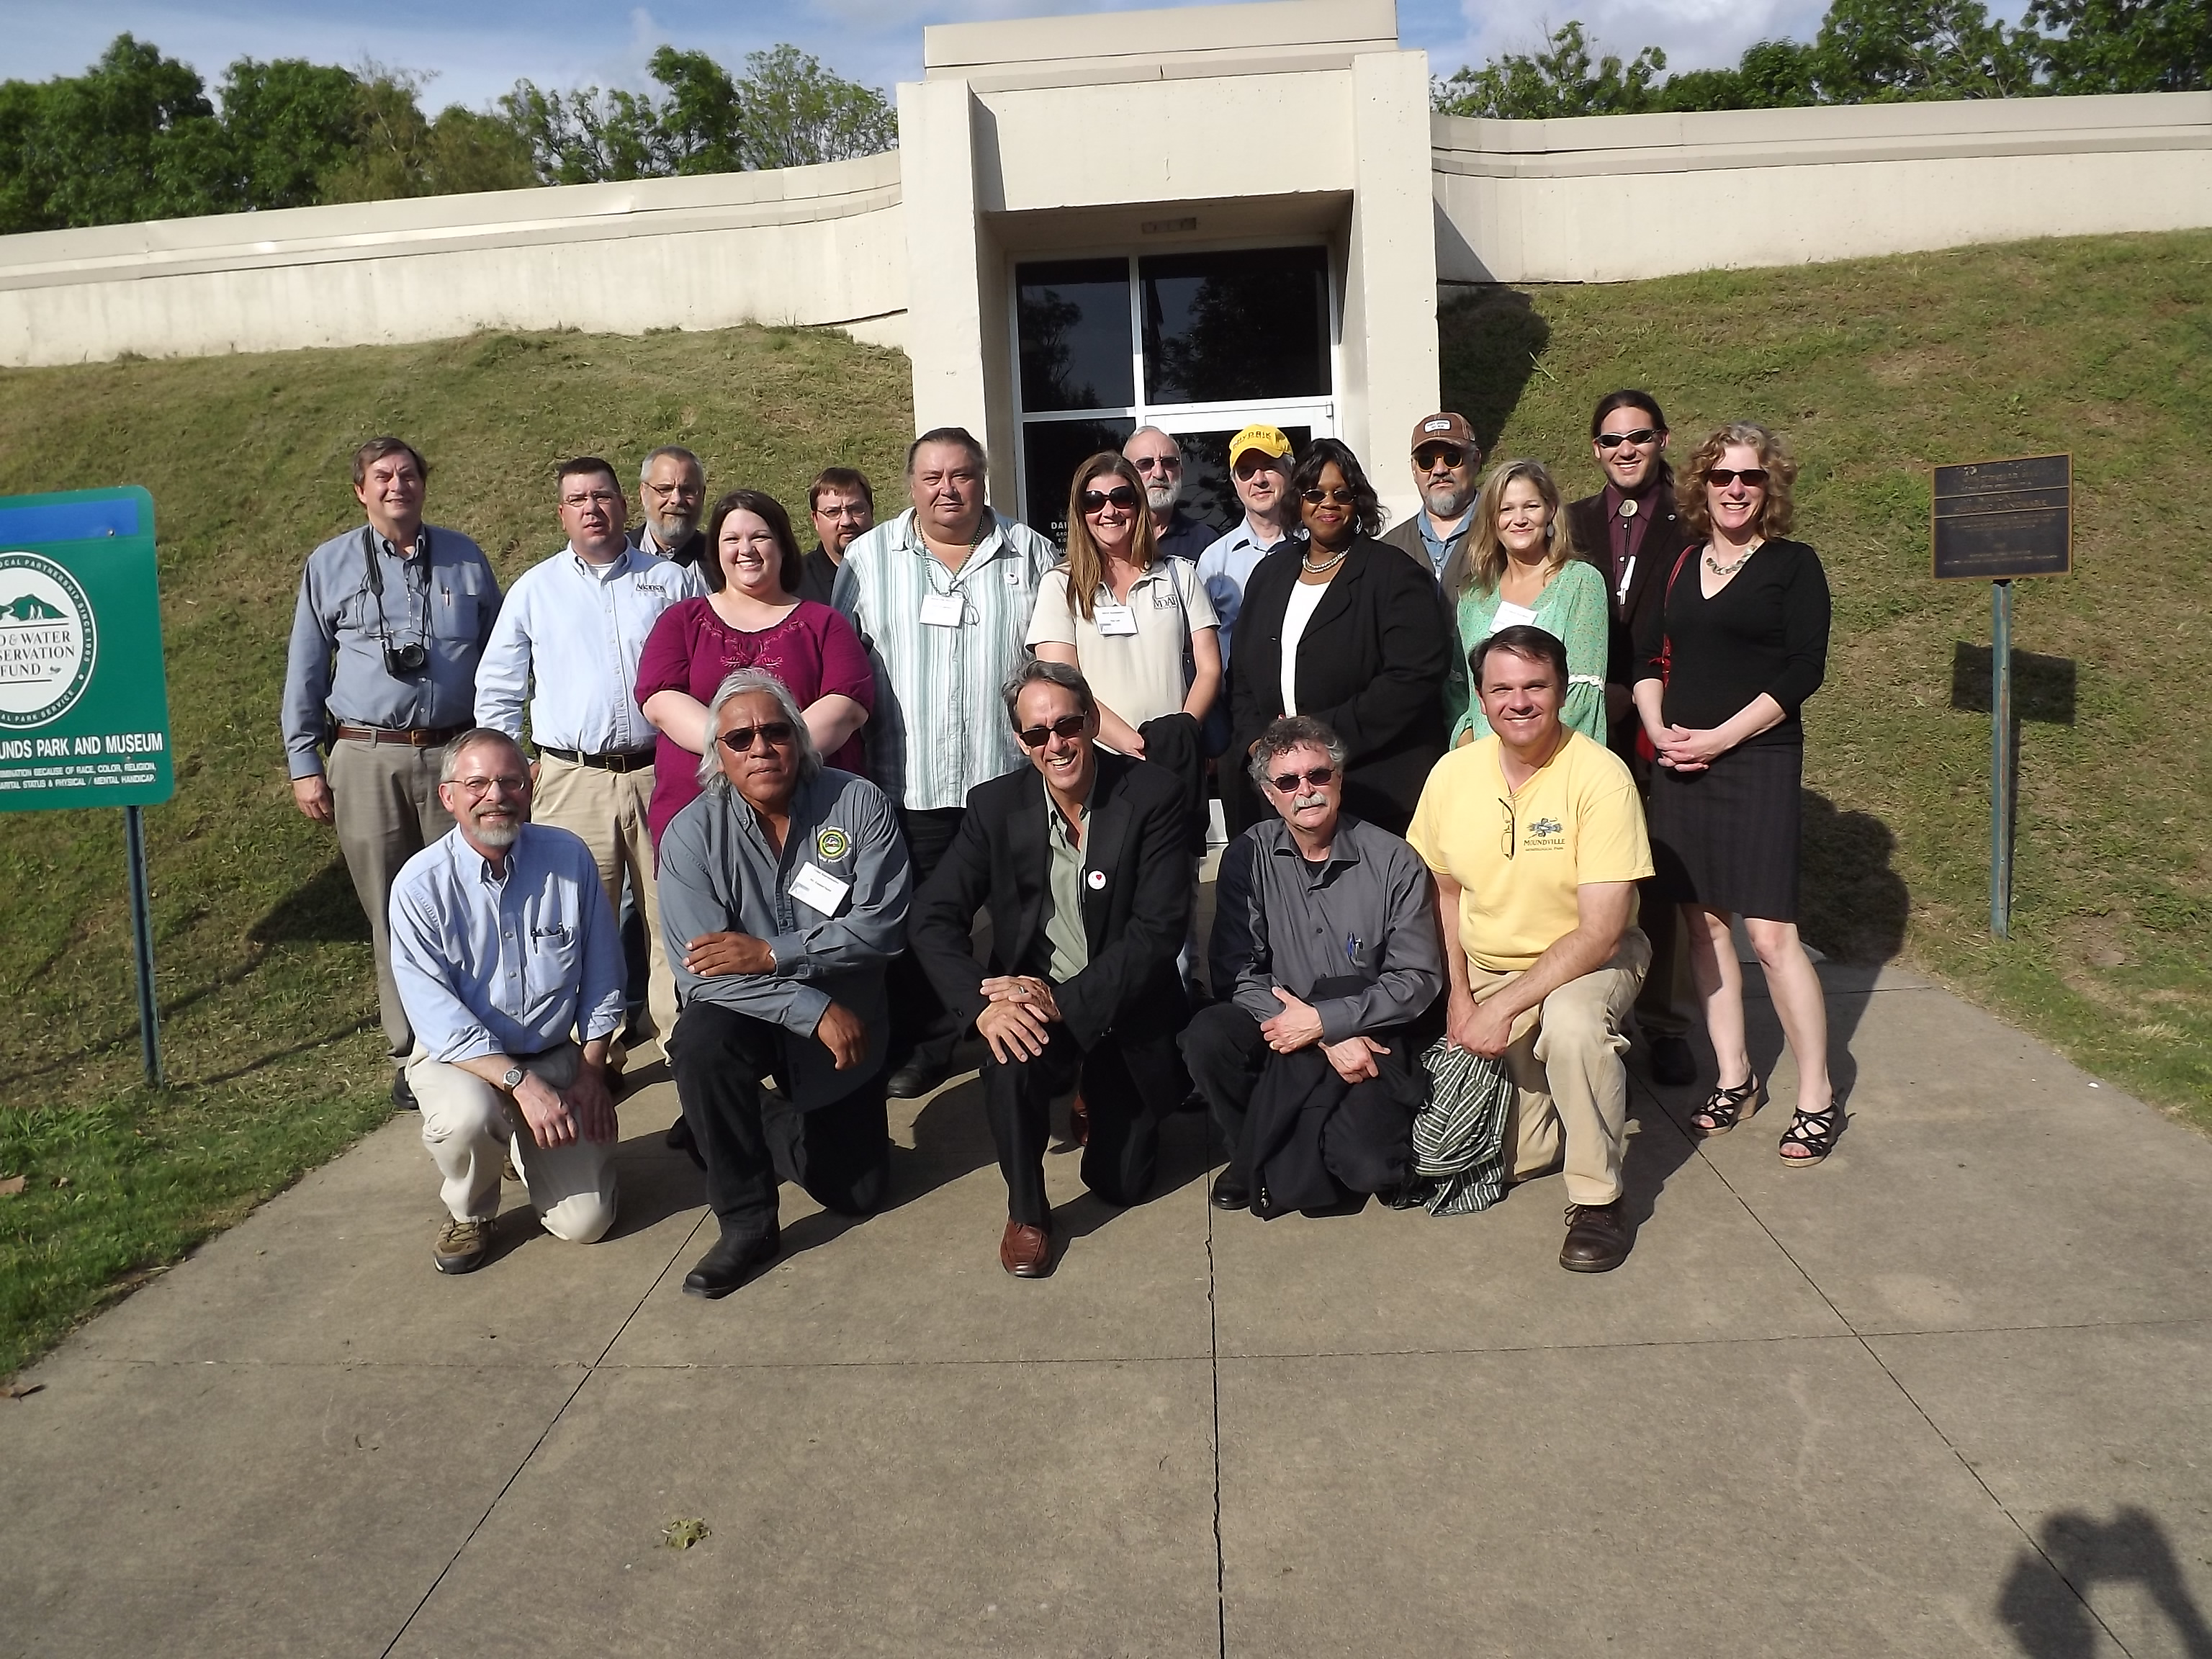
(1459, 1136)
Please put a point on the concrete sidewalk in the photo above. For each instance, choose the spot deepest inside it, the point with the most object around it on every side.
(1950, 1393)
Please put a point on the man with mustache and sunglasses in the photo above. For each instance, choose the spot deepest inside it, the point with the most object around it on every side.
(783, 899)
(1631, 531)
(1080, 858)
(1325, 953)
(1446, 458)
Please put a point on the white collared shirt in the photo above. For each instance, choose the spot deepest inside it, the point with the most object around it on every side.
(568, 639)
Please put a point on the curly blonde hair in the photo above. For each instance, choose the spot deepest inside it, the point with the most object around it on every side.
(1776, 513)
(1481, 558)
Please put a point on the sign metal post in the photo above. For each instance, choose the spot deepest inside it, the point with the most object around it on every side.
(84, 698)
(1997, 521)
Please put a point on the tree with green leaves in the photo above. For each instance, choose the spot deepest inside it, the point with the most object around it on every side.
(1558, 78)
(2124, 45)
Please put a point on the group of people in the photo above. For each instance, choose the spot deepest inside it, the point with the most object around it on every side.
(807, 775)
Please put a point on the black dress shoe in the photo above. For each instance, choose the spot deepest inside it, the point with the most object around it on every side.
(1597, 1238)
(403, 1093)
(726, 1267)
(914, 1080)
(1230, 1193)
(1673, 1063)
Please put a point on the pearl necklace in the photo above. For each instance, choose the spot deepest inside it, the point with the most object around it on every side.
(1306, 563)
(1724, 571)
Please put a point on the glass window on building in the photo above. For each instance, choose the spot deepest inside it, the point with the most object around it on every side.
(1198, 344)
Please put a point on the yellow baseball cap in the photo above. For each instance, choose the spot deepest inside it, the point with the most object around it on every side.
(1267, 439)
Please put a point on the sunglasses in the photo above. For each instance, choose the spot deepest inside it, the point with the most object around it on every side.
(1120, 495)
(1721, 476)
(1158, 464)
(1340, 495)
(739, 739)
(1067, 725)
(1286, 782)
(1637, 439)
(1448, 455)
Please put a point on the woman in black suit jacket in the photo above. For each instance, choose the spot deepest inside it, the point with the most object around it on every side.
(1370, 646)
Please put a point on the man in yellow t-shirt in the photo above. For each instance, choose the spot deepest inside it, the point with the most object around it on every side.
(1535, 838)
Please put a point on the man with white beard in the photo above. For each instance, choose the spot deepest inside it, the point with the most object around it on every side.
(1158, 460)
(671, 486)
(504, 948)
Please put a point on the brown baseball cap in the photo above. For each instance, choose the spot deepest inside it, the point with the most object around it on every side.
(1445, 427)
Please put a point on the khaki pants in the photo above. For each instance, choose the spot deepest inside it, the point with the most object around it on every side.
(470, 1127)
(384, 797)
(607, 809)
(1571, 1108)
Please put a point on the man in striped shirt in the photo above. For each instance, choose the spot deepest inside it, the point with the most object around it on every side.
(941, 596)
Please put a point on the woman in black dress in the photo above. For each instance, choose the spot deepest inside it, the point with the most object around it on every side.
(1368, 640)
(1739, 642)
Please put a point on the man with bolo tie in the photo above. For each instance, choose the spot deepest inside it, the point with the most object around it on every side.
(391, 623)
(1080, 858)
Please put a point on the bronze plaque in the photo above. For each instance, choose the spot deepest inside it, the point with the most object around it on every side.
(1997, 520)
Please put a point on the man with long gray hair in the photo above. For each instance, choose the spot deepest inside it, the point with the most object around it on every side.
(1325, 955)
(783, 897)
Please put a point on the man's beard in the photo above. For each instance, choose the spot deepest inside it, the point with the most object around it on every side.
(502, 833)
(1447, 503)
(670, 532)
(1161, 497)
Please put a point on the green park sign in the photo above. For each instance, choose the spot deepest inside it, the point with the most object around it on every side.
(84, 701)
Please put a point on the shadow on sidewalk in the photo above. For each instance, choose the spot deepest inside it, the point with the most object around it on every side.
(2053, 1620)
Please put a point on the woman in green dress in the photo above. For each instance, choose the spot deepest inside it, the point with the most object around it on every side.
(1516, 566)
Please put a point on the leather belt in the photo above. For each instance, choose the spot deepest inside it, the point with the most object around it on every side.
(414, 737)
(615, 760)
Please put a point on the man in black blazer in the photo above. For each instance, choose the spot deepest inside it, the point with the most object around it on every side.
(1080, 858)
(1631, 532)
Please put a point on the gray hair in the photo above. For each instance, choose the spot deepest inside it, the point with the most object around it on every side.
(678, 452)
(745, 682)
(1037, 671)
(1289, 733)
(449, 761)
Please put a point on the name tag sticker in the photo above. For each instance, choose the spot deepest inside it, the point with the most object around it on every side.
(942, 610)
(1511, 615)
(1114, 620)
(816, 888)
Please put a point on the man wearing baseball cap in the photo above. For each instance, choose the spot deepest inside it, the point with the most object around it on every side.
(1445, 459)
(1260, 468)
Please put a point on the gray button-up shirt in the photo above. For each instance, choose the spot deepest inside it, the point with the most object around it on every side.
(1280, 920)
(718, 875)
(507, 963)
(442, 595)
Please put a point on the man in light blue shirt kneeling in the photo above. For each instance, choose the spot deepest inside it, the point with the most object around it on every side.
(505, 951)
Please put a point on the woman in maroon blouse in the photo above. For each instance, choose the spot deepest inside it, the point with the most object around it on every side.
(748, 619)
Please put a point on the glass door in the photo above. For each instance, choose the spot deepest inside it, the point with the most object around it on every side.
(1198, 344)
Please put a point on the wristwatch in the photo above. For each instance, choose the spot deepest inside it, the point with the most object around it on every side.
(511, 1079)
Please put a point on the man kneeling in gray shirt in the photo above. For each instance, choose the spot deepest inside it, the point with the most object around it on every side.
(783, 895)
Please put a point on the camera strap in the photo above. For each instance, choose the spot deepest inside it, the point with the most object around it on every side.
(372, 563)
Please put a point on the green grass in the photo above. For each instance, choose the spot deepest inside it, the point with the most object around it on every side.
(1874, 371)
(269, 1006)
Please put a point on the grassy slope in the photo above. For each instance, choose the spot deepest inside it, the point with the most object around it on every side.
(1874, 371)
(261, 953)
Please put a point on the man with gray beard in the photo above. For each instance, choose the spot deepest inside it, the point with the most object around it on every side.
(671, 486)
(1446, 458)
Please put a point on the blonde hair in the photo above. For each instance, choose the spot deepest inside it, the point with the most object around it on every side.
(1480, 560)
(1084, 564)
(1776, 513)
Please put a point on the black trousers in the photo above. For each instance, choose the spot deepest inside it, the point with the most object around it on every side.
(1368, 1141)
(922, 1030)
(839, 1154)
(1126, 1089)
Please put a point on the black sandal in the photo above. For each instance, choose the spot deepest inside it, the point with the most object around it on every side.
(1726, 1108)
(1815, 1131)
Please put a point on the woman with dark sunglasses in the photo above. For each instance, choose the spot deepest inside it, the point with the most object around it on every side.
(1350, 631)
(1738, 642)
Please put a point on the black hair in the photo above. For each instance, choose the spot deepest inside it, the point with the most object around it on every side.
(1636, 397)
(1521, 640)
(770, 512)
(1366, 505)
(587, 467)
(948, 434)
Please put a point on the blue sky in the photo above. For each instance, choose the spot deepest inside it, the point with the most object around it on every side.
(476, 49)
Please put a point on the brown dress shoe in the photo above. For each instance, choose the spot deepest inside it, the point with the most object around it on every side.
(1597, 1238)
(1025, 1252)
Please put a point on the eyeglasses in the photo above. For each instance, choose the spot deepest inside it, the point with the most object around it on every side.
(478, 788)
(592, 498)
(1066, 726)
(1341, 496)
(1438, 454)
(1286, 782)
(739, 739)
(1508, 805)
(1637, 439)
(1722, 476)
(1158, 464)
(1120, 496)
(1252, 463)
